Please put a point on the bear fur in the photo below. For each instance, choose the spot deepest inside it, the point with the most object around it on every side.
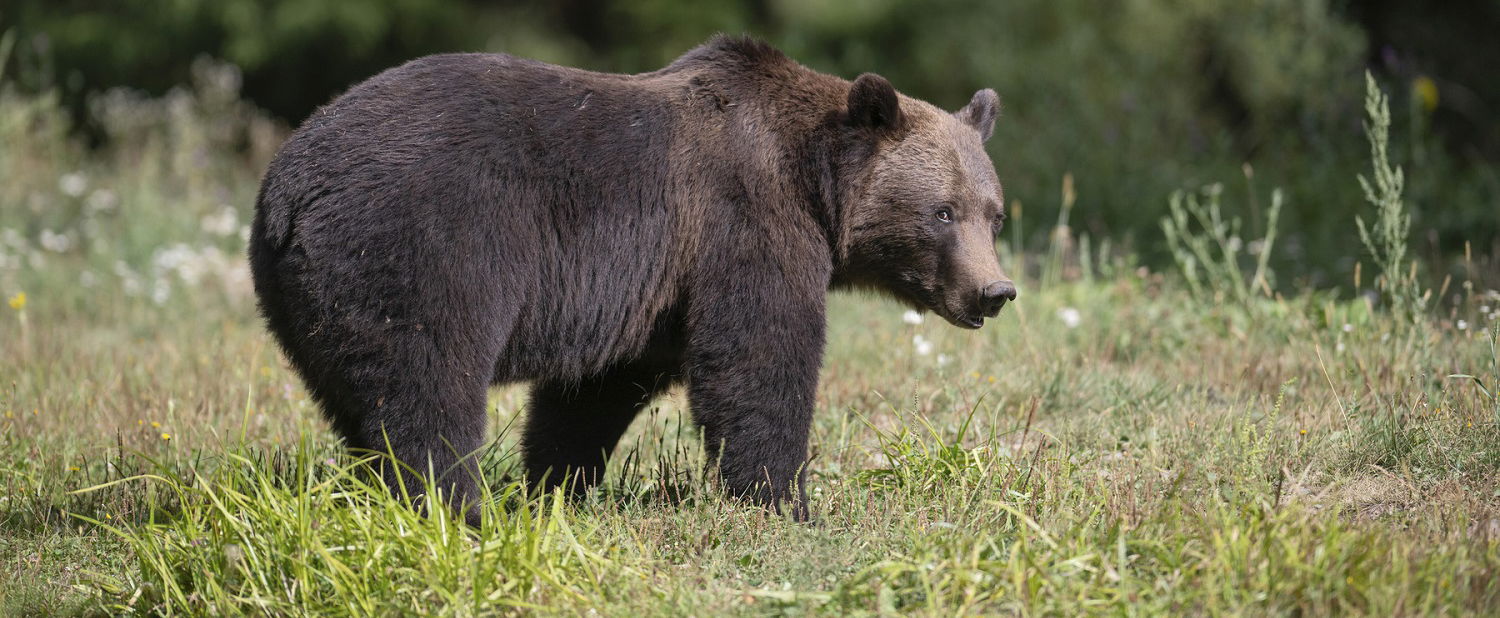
(468, 220)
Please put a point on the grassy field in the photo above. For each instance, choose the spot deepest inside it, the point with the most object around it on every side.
(1120, 442)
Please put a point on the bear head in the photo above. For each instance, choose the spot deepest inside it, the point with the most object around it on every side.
(921, 203)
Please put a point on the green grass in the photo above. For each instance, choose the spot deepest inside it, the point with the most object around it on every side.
(1169, 453)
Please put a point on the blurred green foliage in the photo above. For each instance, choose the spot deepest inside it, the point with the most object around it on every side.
(1135, 98)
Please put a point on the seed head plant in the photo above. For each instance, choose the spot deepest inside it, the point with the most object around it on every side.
(1386, 237)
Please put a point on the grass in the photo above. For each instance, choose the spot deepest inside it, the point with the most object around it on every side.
(1164, 452)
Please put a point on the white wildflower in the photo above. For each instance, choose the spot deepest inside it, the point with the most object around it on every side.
(101, 200)
(195, 266)
(1339, 347)
(1348, 328)
(943, 359)
(161, 291)
(55, 242)
(73, 184)
(13, 238)
(923, 346)
(189, 264)
(911, 317)
(1070, 317)
(128, 279)
(177, 258)
(1463, 325)
(222, 223)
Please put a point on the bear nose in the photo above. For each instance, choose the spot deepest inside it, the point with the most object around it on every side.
(994, 296)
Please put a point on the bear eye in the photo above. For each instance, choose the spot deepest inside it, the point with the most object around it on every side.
(945, 214)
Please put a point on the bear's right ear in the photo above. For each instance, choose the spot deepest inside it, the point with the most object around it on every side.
(873, 103)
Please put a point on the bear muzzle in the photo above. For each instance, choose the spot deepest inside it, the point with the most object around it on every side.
(994, 296)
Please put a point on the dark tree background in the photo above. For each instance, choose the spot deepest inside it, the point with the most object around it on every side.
(1133, 100)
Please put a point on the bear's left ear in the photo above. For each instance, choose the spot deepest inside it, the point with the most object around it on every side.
(873, 103)
(980, 113)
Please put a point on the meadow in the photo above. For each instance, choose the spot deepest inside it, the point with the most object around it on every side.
(1123, 440)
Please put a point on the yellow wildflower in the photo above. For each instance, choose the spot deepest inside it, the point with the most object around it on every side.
(166, 436)
(155, 425)
(1426, 91)
(18, 302)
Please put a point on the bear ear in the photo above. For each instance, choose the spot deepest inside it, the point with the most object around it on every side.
(873, 103)
(980, 113)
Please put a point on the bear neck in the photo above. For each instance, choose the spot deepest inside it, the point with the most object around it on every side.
(804, 114)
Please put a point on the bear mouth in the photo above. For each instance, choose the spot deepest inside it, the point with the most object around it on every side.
(961, 319)
(931, 301)
(955, 312)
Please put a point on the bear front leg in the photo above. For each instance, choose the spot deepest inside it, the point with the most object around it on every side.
(752, 381)
(572, 427)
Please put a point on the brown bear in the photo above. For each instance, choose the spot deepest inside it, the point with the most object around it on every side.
(468, 220)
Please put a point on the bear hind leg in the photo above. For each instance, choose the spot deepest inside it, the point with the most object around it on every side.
(432, 423)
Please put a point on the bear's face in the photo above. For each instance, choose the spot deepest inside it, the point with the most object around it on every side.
(922, 219)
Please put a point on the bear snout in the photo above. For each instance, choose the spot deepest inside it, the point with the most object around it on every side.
(994, 296)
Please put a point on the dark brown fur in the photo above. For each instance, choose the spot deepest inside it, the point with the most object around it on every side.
(468, 220)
